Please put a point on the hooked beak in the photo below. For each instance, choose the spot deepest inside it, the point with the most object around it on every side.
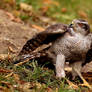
(71, 26)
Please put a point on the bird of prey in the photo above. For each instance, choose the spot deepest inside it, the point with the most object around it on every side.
(67, 43)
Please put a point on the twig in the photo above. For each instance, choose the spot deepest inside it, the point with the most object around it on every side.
(9, 75)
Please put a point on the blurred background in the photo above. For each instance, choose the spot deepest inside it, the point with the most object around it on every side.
(42, 12)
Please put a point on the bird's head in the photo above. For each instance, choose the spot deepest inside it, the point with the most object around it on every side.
(80, 26)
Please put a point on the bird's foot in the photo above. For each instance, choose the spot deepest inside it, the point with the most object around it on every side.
(60, 75)
(85, 83)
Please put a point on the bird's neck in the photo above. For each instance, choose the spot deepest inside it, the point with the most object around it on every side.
(71, 31)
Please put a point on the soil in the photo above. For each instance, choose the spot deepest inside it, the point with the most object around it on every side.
(13, 34)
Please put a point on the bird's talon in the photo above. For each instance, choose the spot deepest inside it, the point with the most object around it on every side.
(87, 85)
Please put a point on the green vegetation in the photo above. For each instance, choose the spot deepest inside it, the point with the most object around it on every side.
(41, 79)
(57, 10)
(62, 10)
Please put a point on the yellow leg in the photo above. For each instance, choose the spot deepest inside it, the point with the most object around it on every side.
(85, 83)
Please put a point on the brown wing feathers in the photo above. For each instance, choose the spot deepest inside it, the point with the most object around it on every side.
(32, 44)
(45, 37)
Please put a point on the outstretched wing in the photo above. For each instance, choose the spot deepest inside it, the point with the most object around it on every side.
(45, 37)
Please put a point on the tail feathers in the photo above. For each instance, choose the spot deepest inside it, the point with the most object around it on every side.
(28, 57)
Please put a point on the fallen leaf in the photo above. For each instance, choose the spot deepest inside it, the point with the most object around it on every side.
(82, 14)
(49, 89)
(12, 18)
(45, 19)
(50, 2)
(3, 56)
(26, 7)
(9, 75)
(6, 56)
(63, 10)
(4, 89)
(38, 85)
(16, 77)
(11, 49)
(11, 2)
(10, 15)
(38, 27)
(18, 20)
(25, 87)
(4, 70)
(44, 9)
(6, 83)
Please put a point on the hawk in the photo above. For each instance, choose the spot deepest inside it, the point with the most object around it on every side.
(67, 43)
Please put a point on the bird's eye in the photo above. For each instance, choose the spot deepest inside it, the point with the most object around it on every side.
(80, 24)
(84, 26)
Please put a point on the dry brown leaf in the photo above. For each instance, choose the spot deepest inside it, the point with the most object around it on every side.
(56, 90)
(18, 20)
(38, 85)
(11, 49)
(11, 2)
(4, 89)
(4, 70)
(38, 27)
(63, 10)
(26, 7)
(44, 9)
(25, 87)
(82, 14)
(12, 18)
(3, 56)
(6, 56)
(47, 20)
(72, 85)
(49, 90)
(22, 85)
(10, 15)
(6, 83)
(9, 75)
(51, 2)
(16, 77)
